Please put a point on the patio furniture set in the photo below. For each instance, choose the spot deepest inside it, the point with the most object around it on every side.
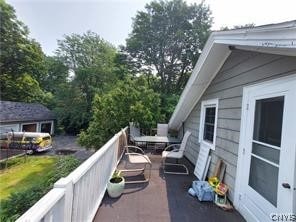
(172, 148)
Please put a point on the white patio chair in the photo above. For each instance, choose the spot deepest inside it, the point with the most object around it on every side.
(162, 129)
(135, 132)
(135, 158)
(176, 153)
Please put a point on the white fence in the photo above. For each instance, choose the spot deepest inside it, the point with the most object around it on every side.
(78, 196)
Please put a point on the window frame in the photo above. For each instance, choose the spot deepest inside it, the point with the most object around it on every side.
(29, 123)
(52, 125)
(208, 104)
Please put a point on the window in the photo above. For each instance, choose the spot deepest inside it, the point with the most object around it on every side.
(46, 127)
(208, 122)
(30, 127)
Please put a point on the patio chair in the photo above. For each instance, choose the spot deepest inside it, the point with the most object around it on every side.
(135, 156)
(135, 132)
(162, 129)
(175, 153)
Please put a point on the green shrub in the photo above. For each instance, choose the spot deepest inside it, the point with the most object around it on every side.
(64, 166)
(19, 202)
(130, 100)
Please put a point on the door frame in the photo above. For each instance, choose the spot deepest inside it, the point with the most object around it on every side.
(239, 186)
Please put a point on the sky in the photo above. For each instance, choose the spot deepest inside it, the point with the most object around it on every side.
(50, 20)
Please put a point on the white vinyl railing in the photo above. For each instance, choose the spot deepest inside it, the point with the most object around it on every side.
(78, 196)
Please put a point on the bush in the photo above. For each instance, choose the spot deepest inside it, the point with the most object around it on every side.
(64, 166)
(130, 100)
(19, 202)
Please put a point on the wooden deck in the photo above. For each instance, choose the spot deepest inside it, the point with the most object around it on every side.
(165, 198)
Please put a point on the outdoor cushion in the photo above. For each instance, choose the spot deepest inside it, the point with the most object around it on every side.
(169, 154)
(139, 159)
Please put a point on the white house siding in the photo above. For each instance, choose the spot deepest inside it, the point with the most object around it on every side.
(240, 69)
(7, 127)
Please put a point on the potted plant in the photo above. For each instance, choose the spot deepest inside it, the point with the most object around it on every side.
(115, 185)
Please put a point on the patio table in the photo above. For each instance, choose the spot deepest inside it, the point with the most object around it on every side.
(157, 139)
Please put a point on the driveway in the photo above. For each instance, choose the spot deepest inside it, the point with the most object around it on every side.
(66, 142)
(64, 145)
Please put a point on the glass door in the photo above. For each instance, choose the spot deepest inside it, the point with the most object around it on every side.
(269, 131)
(266, 147)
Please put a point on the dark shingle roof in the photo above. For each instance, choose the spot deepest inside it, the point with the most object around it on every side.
(18, 112)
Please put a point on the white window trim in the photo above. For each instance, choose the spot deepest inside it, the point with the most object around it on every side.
(205, 104)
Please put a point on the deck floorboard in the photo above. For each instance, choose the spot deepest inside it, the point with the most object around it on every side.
(164, 198)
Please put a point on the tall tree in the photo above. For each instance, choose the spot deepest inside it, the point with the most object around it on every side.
(86, 50)
(21, 60)
(56, 75)
(167, 39)
(91, 59)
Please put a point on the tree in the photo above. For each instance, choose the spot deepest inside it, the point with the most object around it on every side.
(167, 40)
(21, 61)
(56, 74)
(129, 100)
(70, 108)
(91, 59)
(23, 88)
(86, 50)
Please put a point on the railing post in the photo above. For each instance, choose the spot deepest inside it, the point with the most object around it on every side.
(67, 184)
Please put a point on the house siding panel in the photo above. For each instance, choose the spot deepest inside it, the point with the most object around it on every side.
(242, 68)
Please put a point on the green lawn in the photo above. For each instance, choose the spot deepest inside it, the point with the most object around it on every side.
(24, 174)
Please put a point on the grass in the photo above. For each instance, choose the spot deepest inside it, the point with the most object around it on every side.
(23, 174)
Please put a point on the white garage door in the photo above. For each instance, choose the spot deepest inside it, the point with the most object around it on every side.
(8, 128)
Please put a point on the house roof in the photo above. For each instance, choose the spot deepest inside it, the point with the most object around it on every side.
(19, 112)
(275, 39)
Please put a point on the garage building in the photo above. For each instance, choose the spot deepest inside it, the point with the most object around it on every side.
(27, 117)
